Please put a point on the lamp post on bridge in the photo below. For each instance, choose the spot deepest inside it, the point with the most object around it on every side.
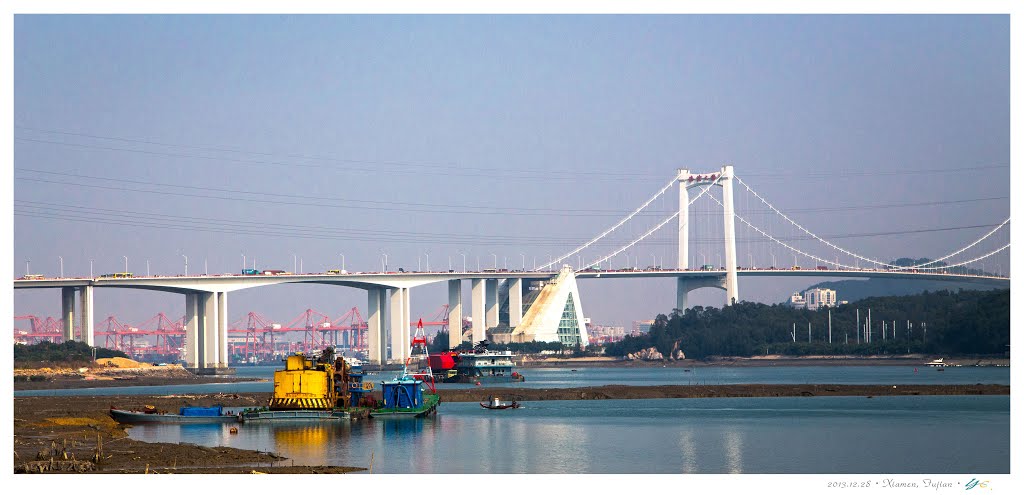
(342, 261)
(463, 253)
(751, 256)
(654, 260)
(427, 255)
(384, 261)
(186, 264)
(774, 265)
(495, 261)
(147, 268)
(125, 264)
(28, 264)
(90, 268)
(61, 266)
(524, 260)
(295, 263)
(243, 262)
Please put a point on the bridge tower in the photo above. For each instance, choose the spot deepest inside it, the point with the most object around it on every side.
(688, 180)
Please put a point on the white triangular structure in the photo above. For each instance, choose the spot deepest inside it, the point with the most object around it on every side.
(556, 315)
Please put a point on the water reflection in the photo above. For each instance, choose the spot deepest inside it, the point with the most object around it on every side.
(759, 435)
(734, 451)
(688, 451)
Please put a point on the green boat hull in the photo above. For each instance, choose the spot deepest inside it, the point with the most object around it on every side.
(430, 402)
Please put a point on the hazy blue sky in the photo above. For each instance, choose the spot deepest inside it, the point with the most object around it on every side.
(522, 136)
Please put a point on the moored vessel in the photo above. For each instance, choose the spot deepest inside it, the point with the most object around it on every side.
(479, 365)
(411, 394)
(186, 415)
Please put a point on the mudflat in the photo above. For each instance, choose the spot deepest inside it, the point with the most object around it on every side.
(77, 434)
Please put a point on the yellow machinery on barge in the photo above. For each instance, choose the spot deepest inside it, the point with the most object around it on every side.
(310, 383)
(308, 387)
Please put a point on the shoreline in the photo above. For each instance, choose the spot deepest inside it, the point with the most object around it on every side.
(48, 428)
(762, 361)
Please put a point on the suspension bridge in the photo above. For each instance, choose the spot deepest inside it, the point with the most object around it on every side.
(706, 224)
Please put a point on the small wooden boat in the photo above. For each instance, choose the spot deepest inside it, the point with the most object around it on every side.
(187, 415)
(495, 403)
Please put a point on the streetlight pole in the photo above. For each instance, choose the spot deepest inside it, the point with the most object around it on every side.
(28, 264)
(654, 260)
(90, 269)
(295, 263)
(61, 266)
(751, 256)
(125, 264)
(495, 261)
(524, 260)
(427, 255)
(342, 261)
(243, 262)
(206, 268)
(384, 262)
(463, 253)
(147, 268)
(186, 264)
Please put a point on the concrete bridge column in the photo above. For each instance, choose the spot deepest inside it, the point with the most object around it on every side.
(222, 330)
(376, 341)
(85, 312)
(515, 302)
(491, 294)
(479, 330)
(193, 342)
(682, 289)
(208, 324)
(454, 313)
(399, 324)
(67, 312)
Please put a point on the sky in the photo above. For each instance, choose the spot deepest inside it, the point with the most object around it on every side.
(504, 137)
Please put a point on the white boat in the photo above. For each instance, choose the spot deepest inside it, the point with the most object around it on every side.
(937, 363)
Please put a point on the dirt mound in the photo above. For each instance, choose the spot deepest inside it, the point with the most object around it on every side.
(120, 362)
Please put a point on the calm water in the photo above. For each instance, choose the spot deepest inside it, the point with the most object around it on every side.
(584, 377)
(914, 434)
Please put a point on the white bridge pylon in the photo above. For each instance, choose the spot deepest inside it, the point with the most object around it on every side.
(687, 180)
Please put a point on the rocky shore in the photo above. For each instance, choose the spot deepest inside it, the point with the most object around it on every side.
(76, 433)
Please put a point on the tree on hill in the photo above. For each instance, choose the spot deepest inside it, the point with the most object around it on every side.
(962, 322)
(67, 352)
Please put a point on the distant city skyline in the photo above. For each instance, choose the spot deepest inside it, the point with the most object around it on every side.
(491, 141)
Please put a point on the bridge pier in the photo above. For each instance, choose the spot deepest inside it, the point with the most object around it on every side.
(454, 313)
(515, 302)
(206, 331)
(491, 294)
(67, 312)
(377, 343)
(193, 344)
(686, 284)
(83, 313)
(400, 324)
(479, 328)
